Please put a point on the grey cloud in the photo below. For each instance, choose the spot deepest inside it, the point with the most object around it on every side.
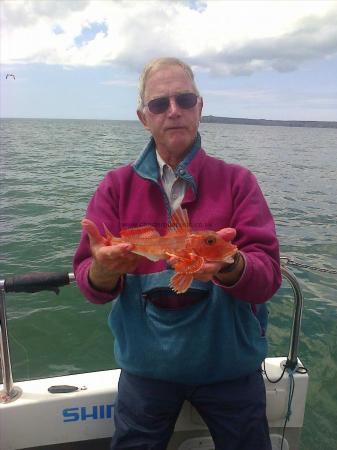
(18, 14)
(151, 34)
(314, 38)
(146, 39)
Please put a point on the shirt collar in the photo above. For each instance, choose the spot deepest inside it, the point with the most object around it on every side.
(146, 165)
(162, 164)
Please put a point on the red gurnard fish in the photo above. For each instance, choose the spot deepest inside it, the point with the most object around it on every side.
(189, 249)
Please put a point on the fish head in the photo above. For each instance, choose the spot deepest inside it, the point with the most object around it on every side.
(211, 246)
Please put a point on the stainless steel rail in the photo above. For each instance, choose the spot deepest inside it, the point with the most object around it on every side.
(297, 317)
(11, 393)
(24, 284)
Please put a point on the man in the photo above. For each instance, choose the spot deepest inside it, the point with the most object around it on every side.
(206, 345)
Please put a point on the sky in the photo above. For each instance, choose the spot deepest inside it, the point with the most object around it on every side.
(82, 59)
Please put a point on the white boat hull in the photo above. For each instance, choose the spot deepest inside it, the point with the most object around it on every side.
(39, 418)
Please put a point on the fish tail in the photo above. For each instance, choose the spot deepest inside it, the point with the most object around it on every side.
(94, 235)
(90, 227)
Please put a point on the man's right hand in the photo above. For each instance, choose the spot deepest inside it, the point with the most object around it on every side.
(109, 262)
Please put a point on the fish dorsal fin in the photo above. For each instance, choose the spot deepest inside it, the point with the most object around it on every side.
(179, 221)
(145, 232)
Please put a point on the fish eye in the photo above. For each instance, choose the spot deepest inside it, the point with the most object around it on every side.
(210, 240)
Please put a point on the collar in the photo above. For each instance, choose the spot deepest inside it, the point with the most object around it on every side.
(147, 164)
(161, 164)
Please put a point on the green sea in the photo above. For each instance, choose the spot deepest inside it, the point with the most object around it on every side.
(50, 169)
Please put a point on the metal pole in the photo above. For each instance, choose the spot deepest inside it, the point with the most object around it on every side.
(9, 392)
(297, 317)
(19, 284)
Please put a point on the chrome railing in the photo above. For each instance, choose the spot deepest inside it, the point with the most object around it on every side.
(9, 392)
(36, 282)
(31, 282)
(297, 317)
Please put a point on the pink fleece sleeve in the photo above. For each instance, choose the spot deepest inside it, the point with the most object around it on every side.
(101, 209)
(256, 239)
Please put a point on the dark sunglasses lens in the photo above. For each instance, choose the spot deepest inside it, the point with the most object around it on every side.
(186, 101)
(159, 105)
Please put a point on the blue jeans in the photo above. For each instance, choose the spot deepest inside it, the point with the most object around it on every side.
(234, 411)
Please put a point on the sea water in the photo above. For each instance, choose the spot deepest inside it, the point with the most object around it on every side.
(50, 169)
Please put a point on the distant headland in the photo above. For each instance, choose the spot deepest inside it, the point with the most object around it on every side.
(266, 122)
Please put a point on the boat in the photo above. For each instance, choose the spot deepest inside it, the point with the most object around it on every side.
(75, 412)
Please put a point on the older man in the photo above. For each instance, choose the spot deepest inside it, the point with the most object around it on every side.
(205, 345)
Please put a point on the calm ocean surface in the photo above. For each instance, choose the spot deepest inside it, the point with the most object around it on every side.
(50, 169)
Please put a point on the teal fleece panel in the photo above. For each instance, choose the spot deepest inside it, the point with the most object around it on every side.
(219, 338)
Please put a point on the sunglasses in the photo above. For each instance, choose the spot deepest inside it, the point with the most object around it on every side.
(185, 100)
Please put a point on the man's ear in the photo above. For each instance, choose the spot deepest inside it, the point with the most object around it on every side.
(142, 118)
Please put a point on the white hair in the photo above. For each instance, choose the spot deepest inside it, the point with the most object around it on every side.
(157, 64)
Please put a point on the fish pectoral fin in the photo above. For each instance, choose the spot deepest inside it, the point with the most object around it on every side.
(140, 232)
(188, 263)
(180, 282)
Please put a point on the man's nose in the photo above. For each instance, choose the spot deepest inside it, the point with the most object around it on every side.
(173, 108)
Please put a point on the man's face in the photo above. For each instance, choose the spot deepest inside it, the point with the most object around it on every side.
(175, 129)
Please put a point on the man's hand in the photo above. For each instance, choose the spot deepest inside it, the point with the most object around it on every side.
(109, 262)
(211, 269)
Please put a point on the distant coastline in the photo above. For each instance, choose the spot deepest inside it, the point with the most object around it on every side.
(208, 119)
(266, 122)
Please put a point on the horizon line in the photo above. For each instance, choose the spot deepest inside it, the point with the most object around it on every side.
(205, 116)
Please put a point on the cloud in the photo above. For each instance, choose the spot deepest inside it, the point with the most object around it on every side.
(220, 37)
(324, 98)
(120, 82)
(237, 94)
(20, 13)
